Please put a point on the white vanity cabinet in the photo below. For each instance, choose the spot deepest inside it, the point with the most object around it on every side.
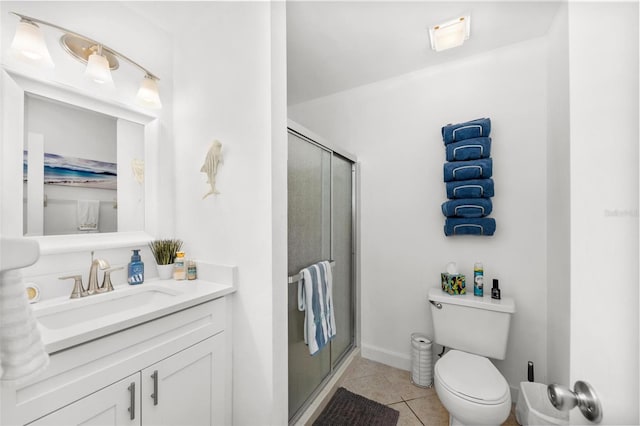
(173, 370)
(108, 406)
(184, 389)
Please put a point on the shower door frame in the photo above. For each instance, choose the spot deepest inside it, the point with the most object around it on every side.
(310, 137)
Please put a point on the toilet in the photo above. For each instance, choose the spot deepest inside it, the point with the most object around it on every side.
(473, 329)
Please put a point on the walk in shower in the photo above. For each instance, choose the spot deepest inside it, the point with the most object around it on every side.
(321, 226)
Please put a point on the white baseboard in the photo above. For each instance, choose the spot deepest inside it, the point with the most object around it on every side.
(394, 359)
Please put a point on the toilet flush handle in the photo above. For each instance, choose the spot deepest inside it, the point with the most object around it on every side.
(436, 304)
(583, 396)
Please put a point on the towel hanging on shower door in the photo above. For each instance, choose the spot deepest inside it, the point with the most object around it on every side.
(316, 300)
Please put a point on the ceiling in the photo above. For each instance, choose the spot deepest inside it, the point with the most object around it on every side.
(337, 45)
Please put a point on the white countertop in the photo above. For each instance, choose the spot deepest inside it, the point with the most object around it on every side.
(65, 322)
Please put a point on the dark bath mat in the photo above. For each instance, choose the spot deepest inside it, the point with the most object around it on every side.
(350, 409)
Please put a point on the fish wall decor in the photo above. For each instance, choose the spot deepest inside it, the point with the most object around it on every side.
(210, 166)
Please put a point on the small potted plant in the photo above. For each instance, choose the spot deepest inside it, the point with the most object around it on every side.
(164, 251)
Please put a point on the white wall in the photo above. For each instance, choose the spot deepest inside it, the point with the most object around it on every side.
(604, 205)
(133, 37)
(279, 196)
(558, 209)
(394, 128)
(223, 76)
(144, 43)
(136, 38)
(230, 84)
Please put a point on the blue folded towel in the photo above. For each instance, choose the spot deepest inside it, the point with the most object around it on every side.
(316, 300)
(469, 226)
(474, 188)
(469, 149)
(467, 207)
(465, 170)
(471, 129)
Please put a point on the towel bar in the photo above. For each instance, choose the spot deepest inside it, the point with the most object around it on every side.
(47, 200)
(295, 278)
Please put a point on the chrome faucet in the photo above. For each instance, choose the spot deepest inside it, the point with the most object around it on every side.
(78, 289)
(106, 280)
(92, 287)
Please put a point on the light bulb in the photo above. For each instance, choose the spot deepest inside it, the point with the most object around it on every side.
(98, 69)
(28, 44)
(148, 94)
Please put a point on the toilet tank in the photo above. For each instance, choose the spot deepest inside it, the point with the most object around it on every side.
(478, 325)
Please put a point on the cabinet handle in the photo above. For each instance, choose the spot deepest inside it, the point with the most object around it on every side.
(132, 403)
(154, 395)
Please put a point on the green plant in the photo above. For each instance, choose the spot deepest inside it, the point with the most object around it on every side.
(164, 251)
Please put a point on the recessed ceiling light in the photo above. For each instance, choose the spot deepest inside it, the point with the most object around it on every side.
(450, 34)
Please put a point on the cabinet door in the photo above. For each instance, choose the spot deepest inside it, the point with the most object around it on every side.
(187, 388)
(109, 406)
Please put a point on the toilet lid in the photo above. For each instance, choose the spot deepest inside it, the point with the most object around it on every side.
(472, 377)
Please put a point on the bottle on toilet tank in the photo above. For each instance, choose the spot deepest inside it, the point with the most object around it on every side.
(495, 291)
(478, 280)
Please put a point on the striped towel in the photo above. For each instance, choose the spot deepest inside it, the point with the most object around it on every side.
(315, 299)
(22, 354)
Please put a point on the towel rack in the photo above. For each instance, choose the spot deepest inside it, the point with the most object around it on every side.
(295, 278)
(47, 200)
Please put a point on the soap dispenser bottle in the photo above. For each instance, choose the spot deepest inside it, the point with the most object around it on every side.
(136, 269)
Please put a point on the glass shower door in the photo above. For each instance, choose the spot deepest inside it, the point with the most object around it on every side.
(321, 227)
(309, 241)
(343, 277)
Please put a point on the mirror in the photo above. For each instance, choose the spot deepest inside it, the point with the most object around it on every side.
(78, 151)
(102, 145)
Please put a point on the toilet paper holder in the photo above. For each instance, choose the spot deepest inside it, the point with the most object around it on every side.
(583, 396)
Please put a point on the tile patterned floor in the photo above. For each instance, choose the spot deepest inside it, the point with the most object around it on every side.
(392, 387)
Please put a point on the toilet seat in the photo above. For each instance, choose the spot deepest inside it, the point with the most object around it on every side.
(472, 378)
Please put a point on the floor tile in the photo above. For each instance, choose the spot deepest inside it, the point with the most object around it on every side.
(401, 381)
(511, 420)
(391, 386)
(375, 387)
(362, 367)
(406, 418)
(429, 410)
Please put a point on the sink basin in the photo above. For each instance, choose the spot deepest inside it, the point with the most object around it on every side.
(65, 322)
(102, 306)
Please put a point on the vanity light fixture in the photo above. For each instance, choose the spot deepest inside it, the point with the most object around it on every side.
(29, 45)
(450, 34)
(148, 92)
(98, 67)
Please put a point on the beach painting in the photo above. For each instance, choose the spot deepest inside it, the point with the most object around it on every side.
(71, 171)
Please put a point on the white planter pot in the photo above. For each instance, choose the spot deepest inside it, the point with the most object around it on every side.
(165, 272)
